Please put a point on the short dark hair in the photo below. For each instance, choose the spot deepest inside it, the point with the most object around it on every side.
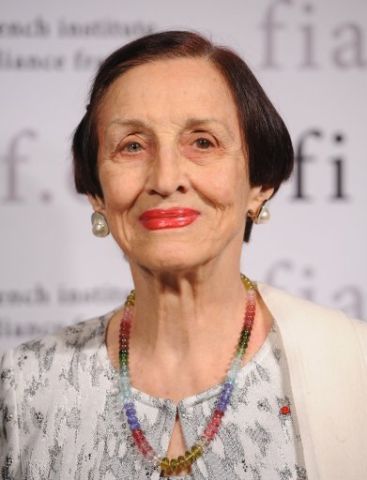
(269, 147)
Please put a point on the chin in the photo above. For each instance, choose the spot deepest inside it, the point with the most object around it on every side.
(171, 258)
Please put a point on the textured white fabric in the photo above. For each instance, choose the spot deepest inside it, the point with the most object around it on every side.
(60, 421)
(327, 357)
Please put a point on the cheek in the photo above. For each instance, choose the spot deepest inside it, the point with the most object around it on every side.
(225, 188)
(120, 190)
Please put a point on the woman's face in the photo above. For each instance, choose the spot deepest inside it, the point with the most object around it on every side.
(173, 166)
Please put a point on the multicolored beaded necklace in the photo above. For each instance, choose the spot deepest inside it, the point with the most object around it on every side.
(175, 466)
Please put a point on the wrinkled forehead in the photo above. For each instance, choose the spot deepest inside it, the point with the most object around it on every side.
(170, 90)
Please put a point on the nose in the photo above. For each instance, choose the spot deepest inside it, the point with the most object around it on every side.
(167, 175)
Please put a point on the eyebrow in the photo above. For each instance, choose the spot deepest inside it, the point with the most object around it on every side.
(128, 123)
(196, 122)
(191, 122)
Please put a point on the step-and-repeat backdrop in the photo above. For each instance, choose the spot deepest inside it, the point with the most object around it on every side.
(311, 58)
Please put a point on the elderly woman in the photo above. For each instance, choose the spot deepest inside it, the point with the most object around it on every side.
(201, 374)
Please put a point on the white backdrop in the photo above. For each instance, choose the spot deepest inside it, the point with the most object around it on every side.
(311, 58)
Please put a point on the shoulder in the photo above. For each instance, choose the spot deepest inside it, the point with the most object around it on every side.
(42, 385)
(289, 309)
(44, 354)
(281, 300)
(314, 335)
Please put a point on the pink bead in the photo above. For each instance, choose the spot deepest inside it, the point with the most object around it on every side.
(215, 426)
(207, 431)
(138, 435)
(145, 447)
(216, 421)
(211, 430)
(212, 434)
(218, 413)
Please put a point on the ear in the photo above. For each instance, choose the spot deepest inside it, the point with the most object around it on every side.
(97, 203)
(258, 195)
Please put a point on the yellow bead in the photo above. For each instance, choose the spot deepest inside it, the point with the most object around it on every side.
(247, 283)
(165, 464)
(173, 464)
(189, 458)
(130, 301)
(197, 451)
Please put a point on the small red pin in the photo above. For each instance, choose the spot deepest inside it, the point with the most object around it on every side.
(285, 410)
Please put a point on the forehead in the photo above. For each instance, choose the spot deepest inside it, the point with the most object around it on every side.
(170, 90)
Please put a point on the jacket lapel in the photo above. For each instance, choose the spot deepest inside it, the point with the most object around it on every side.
(328, 375)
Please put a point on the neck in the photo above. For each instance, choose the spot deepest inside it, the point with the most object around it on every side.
(186, 326)
(176, 313)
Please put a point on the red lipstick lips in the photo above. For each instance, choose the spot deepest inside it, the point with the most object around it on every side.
(158, 218)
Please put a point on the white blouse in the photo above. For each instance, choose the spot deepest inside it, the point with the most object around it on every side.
(61, 418)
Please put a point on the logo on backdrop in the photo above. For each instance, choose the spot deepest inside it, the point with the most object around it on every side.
(12, 159)
(345, 40)
(348, 298)
(79, 59)
(304, 159)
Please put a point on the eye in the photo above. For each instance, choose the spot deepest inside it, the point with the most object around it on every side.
(203, 143)
(132, 147)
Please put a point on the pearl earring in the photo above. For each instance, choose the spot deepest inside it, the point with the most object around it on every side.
(263, 215)
(99, 225)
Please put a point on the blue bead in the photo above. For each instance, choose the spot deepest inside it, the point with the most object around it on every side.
(124, 382)
(225, 395)
(135, 426)
(221, 406)
(224, 400)
(132, 420)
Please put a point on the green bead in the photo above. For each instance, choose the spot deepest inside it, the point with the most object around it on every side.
(123, 357)
(241, 351)
(244, 334)
(244, 339)
(243, 343)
